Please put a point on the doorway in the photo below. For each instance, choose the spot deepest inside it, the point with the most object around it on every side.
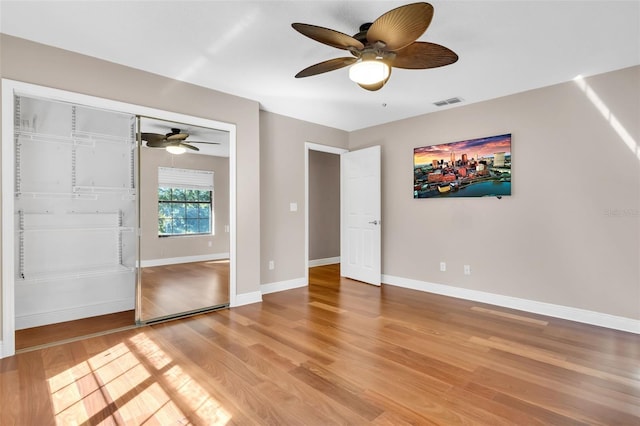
(322, 201)
(360, 203)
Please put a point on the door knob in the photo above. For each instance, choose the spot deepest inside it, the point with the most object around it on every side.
(375, 222)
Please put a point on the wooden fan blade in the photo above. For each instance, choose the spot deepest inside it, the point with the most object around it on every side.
(177, 136)
(186, 145)
(401, 26)
(376, 86)
(329, 37)
(422, 55)
(152, 137)
(158, 144)
(209, 143)
(326, 66)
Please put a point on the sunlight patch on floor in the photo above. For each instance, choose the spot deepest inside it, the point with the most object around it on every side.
(132, 382)
(204, 406)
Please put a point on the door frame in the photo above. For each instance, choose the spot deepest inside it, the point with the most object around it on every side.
(12, 87)
(309, 146)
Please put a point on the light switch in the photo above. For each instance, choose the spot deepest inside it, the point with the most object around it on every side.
(293, 207)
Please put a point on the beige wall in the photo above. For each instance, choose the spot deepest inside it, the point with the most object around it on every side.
(570, 232)
(282, 150)
(38, 64)
(324, 205)
(153, 247)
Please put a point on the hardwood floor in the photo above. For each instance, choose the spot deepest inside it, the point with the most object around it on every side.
(337, 352)
(184, 287)
(47, 334)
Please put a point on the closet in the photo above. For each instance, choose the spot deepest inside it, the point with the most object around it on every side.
(75, 211)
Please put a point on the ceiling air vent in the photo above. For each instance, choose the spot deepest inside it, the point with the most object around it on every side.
(448, 102)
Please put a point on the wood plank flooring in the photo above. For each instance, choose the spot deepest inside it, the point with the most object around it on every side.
(47, 334)
(337, 352)
(185, 287)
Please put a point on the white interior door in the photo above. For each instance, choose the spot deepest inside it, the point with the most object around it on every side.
(360, 216)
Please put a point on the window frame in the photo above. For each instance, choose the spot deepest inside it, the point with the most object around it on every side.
(185, 187)
(175, 204)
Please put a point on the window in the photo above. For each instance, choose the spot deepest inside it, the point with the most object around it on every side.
(185, 202)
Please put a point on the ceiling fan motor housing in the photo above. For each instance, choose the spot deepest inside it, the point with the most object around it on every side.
(362, 35)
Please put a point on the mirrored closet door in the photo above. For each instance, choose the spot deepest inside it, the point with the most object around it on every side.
(184, 219)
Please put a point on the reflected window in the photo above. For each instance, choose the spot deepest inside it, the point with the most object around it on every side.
(185, 202)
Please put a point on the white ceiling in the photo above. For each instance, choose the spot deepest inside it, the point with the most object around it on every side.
(248, 48)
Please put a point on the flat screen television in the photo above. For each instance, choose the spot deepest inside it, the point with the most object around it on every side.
(478, 167)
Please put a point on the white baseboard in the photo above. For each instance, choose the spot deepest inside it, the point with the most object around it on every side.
(282, 285)
(4, 351)
(325, 261)
(70, 314)
(542, 308)
(246, 299)
(184, 259)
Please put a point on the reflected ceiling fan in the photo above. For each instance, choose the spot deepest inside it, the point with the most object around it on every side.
(174, 141)
(390, 41)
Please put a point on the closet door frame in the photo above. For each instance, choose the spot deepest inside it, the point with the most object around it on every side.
(11, 88)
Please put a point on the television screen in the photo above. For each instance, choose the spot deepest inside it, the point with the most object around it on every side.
(473, 168)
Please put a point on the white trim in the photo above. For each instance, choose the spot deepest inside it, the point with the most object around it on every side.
(8, 190)
(325, 261)
(313, 147)
(324, 148)
(70, 314)
(6, 350)
(11, 87)
(283, 285)
(542, 308)
(232, 217)
(248, 298)
(183, 259)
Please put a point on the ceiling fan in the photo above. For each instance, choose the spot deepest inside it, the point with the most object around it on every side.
(390, 41)
(174, 141)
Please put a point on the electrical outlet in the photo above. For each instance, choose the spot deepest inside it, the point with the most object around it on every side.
(467, 269)
(443, 266)
(272, 265)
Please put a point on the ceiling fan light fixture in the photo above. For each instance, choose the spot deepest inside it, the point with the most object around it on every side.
(388, 42)
(369, 71)
(176, 149)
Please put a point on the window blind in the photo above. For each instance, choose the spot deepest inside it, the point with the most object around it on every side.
(169, 177)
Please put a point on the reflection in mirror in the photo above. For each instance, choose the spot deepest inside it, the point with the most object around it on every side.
(184, 220)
